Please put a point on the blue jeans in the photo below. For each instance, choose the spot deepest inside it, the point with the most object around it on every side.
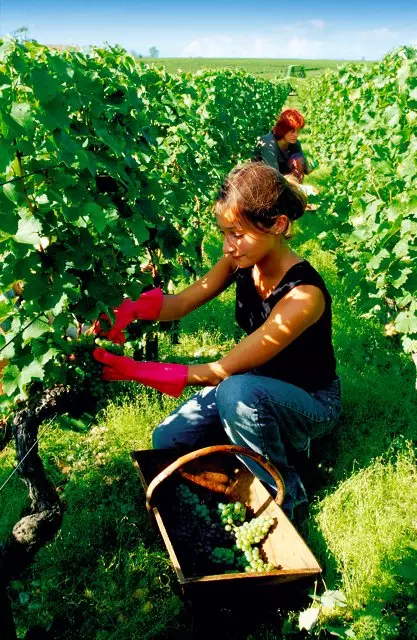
(257, 412)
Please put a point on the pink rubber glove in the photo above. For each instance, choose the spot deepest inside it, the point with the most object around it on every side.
(168, 378)
(147, 307)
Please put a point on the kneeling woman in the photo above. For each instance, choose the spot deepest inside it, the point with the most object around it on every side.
(278, 385)
(281, 149)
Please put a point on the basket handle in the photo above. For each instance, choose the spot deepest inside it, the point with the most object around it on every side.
(220, 448)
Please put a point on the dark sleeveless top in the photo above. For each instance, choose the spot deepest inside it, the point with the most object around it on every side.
(307, 362)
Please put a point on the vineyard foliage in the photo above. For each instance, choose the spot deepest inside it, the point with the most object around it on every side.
(364, 125)
(108, 169)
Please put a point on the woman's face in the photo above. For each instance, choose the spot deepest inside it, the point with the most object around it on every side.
(246, 245)
(291, 136)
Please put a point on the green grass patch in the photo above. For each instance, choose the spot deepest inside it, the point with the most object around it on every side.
(369, 526)
(106, 574)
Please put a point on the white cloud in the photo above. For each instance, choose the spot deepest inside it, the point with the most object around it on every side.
(298, 47)
(217, 47)
(253, 47)
(378, 34)
(300, 40)
(317, 24)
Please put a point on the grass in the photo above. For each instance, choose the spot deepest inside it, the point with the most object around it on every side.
(369, 525)
(365, 510)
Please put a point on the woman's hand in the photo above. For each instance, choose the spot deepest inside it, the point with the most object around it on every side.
(146, 307)
(168, 378)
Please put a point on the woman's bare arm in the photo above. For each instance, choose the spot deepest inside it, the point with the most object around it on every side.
(293, 314)
(208, 287)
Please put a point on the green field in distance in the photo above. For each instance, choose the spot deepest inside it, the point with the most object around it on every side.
(266, 67)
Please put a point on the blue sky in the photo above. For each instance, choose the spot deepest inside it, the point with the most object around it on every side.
(227, 28)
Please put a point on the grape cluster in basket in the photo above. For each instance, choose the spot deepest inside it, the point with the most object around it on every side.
(218, 537)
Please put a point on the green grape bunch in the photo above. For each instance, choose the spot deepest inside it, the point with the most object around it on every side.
(252, 532)
(116, 349)
(231, 513)
(216, 536)
(83, 371)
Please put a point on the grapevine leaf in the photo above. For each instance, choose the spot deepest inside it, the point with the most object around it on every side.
(340, 632)
(406, 322)
(28, 231)
(401, 248)
(56, 115)
(408, 167)
(96, 215)
(10, 379)
(400, 281)
(49, 355)
(36, 329)
(6, 308)
(21, 112)
(39, 348)
(7, 154)
(308, 618)
(8, 351)
(332, 599)
(188, 101)
(138, 227)
(44, 84)
(128, 248)
(33, 371)
(376, 260)
(407, 570)
(12, 192)
(112, 141)
(148, 211)
(169, 239)
(60, 305)
(8, 220)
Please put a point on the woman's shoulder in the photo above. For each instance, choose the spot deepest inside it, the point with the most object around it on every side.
(303, 272)
(267, 141)
(304, 267)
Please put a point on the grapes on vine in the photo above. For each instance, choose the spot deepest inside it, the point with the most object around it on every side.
(83, 370)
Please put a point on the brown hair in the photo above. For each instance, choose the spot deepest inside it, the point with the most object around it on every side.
(288, 120)
(259, 194)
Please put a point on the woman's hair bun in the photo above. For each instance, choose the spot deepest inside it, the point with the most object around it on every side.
(259, 194)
